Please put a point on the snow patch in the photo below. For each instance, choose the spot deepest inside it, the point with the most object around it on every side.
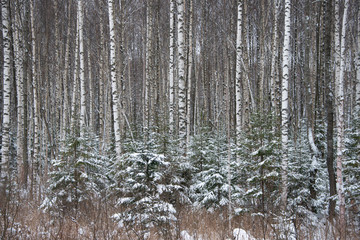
(186, 236)
(241, 234)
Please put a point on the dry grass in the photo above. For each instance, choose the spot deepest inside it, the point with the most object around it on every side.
(24, 220)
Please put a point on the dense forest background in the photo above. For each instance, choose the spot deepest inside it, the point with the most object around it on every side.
(164, 119)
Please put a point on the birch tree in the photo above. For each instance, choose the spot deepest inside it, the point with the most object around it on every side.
(65, 77)
(274, 64)
(5, 144)
(75, 92)
(238, 97)
(18, 42)
(172, 67)
(339, 98)
(189, 73)
(113, 79)
(58, 82)
(82, 67)
(327, 55)
(285, 104)
(36, 104)
(357, 103)
(148, 79)
(181, 69)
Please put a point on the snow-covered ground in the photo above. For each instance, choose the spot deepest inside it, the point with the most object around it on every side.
(238, 234)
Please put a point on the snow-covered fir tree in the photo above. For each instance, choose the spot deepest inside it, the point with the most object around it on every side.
(78, 176)
(209, 186)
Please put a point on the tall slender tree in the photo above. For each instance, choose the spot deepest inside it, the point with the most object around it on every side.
(5, 144)
(82, 67)
(285, 103)
(189, 76)
(274, 64)
(149, 68)
(75, 92)
(172, 67)
(36, 104)
(357, 95)
(113, 77)
(19, 60)
(181, 69)
(239, 59)
(329, 106)
(339, 98)
(66, 76)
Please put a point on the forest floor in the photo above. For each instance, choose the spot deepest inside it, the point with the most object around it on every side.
(23, 219)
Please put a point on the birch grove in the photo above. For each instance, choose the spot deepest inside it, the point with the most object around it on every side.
(141, 119)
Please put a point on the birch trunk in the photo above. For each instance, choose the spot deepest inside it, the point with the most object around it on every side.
(227, 102)
(274, 64)
(327, 55)
(19, 76)
(102, 85)
(5, 156)
(339, 98)
(262, 57)
(190, 57)
(36, 113)
(357, 104)
(82, 68)
(58, 83)
(172, 67)
(181, 69)
(91, 122)
(65, 115)
(248, 97)
(114, 86)
(75, 92)
(148, 69)
(285, 104)
(239, 56)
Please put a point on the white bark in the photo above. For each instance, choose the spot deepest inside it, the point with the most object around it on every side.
(273, 74)
(239, 57)
(36, 160)
(82, 68)
(357, 106)
(262, 58)
(58, 82)
(19, 73)
(181, 69)
(148, 69)
(75, 80)
(339, 98)
(285, 103)
(313, 146)
(5, 151)
(65, 116)
(172, 67)
(102, 85)
(114, 87)
(190, 57)
(91, 122)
